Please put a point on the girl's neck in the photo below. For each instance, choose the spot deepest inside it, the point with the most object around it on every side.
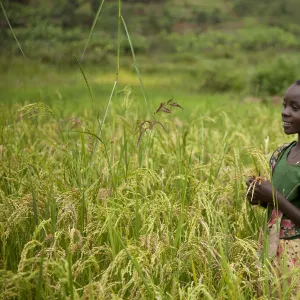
(298, 142)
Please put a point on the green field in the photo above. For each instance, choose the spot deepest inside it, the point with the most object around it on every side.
(114, 219)
(113, 189)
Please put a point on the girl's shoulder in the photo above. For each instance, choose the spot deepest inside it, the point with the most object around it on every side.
(277, 154)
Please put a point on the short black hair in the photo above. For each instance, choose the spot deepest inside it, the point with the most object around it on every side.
(297, 82)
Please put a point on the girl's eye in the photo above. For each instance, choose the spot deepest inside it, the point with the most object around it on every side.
(284, 105)
(295, 108)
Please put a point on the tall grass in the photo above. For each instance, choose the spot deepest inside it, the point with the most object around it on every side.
(86, 213)
(175, 225)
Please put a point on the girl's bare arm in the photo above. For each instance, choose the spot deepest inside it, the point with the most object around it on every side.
(266, 193)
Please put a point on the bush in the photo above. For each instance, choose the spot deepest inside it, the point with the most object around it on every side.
(254, 39)
(275, 78)
(140, 45)
(222, 78)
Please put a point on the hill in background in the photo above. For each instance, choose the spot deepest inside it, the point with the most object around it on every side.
(223, 45)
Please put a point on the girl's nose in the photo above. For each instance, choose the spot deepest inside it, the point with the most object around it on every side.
(285, 112)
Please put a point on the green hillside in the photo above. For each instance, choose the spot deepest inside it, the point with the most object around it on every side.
(204, 39)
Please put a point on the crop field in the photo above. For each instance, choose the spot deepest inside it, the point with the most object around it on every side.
(140, 199)
(127, 134)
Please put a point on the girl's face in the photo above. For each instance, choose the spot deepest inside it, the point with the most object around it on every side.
(291, 110)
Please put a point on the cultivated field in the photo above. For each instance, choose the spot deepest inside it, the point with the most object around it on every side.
(96, 203)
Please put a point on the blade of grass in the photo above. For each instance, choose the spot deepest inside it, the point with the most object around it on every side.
(86, 132)
(119, 41)
(70, 275)
(135, 61)
(40, 277)
(92, 29)
(115, 83)
(87, 84)
(103, 120)
(34, 204)
(194, 272)
(136, 265)
(5, 15)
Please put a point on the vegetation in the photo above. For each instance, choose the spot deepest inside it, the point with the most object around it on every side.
(117, 186)
(168, 218)
(219, 41)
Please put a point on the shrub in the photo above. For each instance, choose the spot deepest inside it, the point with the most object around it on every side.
(222, 77)
(253, 39)
(275, 78)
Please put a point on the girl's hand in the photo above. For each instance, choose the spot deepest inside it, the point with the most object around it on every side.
(250, 194)
(262, 191)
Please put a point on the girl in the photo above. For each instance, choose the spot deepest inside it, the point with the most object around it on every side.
(282, 195)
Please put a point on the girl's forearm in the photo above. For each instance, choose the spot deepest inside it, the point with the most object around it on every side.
(288, 209)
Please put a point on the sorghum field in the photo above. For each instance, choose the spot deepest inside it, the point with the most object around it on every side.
(121, 197)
